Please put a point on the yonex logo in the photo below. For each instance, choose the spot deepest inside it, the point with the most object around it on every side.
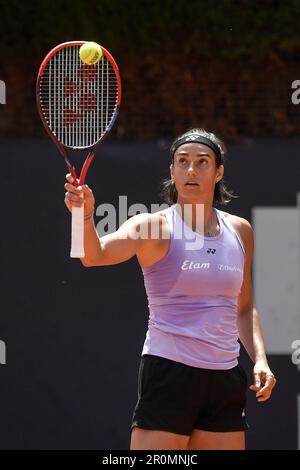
(211, 250)
(191, 138)
(2, 92)
(85, 101)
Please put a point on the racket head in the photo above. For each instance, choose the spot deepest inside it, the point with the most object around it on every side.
(78, 103)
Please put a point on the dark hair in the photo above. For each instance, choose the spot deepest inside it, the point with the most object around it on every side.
(222, 195)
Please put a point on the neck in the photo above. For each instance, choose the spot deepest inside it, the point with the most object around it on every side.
(198, 215)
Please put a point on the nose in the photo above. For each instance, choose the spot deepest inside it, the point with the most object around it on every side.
(191, 169)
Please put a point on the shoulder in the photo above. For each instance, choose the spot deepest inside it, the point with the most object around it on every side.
(243, 228)
(147, 217)
(238, 222)
(147, 222)
(156, 242)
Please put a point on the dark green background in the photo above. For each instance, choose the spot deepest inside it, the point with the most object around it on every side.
(226, 64)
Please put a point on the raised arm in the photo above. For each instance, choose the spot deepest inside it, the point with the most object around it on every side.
(110, 249)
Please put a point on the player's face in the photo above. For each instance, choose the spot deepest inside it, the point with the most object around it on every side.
(194, 171)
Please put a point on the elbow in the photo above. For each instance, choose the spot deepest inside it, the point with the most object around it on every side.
(89, 263)
(86, 263)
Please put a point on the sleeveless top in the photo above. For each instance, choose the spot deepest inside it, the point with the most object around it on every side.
(192, 296)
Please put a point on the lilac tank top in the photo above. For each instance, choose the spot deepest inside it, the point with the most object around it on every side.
(192, 296)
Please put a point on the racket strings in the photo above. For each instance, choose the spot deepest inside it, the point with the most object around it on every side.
(78, 101)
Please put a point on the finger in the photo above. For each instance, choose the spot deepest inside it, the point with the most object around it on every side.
(265, 390)
(69, 205)
(76, 204)
(74, 198)
(86, 190)
(73, 189)
(271, 381)
(69, 178)
(264, 397)
(268, 386)
(257, 380)
(254, 388)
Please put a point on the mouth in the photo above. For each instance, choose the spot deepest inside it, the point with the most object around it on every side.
(191, 184)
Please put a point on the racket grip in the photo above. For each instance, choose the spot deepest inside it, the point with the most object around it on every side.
(77, 233)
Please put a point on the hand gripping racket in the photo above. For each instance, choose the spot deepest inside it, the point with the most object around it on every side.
(78, 104)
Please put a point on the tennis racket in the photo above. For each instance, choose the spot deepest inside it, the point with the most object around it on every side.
(78, 105)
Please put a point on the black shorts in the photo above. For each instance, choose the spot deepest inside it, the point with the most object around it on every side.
(178, 398)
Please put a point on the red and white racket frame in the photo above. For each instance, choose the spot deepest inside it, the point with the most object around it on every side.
(77, 242)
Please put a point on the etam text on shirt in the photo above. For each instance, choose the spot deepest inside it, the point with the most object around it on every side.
(187, 264)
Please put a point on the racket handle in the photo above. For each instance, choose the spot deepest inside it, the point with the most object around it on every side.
(77, 233)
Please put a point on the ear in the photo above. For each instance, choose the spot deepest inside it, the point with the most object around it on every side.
(220, 173)
(171, 171)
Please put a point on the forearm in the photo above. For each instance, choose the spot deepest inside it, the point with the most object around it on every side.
(250, 334)
(92, 245)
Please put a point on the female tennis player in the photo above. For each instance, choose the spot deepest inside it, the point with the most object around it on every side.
(191, 388)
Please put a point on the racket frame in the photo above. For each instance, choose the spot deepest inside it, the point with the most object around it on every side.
(77, 243)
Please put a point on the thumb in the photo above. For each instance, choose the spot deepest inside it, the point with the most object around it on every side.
(257, 383)
(86, 190)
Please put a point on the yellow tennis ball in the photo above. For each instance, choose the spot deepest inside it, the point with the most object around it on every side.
(90, 53)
